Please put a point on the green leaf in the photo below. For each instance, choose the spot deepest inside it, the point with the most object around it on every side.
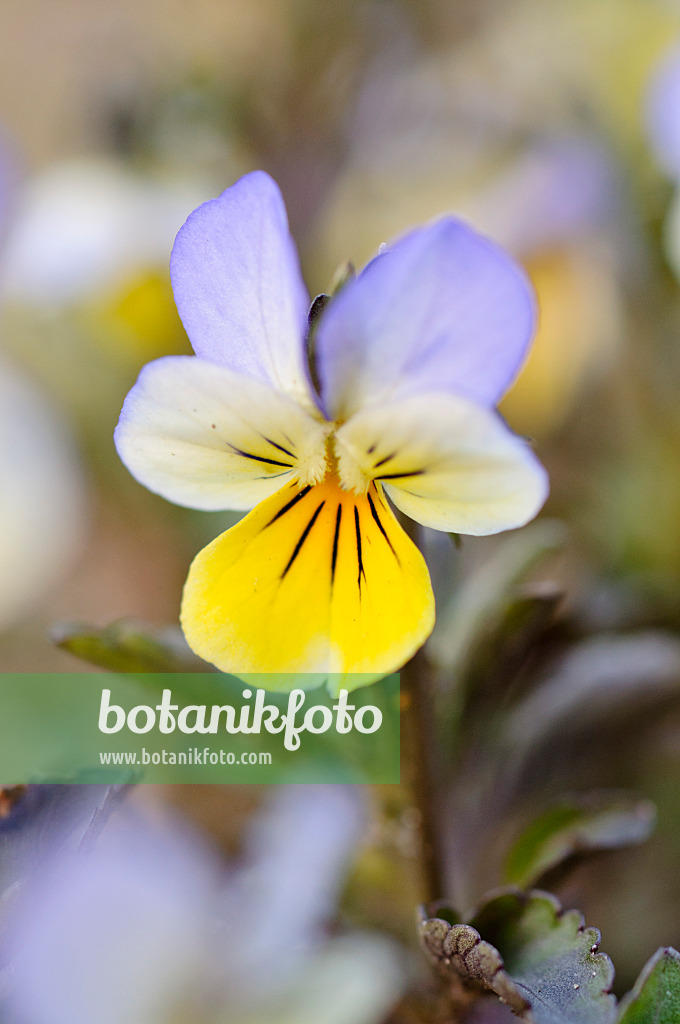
(584, 824)
(540, 960)
(551, 956)
(655, 999)
(128, 646)
(480, 604)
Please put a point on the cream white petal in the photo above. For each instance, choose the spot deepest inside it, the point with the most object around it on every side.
(211, 438)
(445, 462)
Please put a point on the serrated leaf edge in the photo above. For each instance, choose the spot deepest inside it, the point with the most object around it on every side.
(460, 950)
(465, 951)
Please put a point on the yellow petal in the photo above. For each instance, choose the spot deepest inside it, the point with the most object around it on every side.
(316, 580)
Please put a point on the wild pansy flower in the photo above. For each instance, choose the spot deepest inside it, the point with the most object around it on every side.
(410, 358)
(146, 924)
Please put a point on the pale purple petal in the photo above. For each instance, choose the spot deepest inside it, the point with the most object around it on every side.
(116, 933)
(445, 309)
(238, 287)
(663, 113)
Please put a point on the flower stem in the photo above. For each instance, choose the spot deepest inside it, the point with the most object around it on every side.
(422, 760)
(422, 757)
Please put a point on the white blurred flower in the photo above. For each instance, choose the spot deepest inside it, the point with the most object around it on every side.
(42, 496)
(89, 223)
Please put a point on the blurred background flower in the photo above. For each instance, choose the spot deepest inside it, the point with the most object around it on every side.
(43, 519)
(553, 127)
(663, 123)
(147, 924)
